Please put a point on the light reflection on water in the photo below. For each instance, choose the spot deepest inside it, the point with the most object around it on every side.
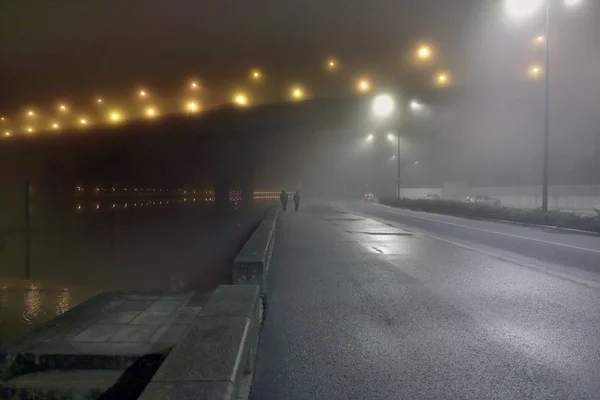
(25, 304)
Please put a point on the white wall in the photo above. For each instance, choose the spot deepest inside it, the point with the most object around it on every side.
(580, 198)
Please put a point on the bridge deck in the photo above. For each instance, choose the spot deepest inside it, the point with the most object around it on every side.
(358, 309)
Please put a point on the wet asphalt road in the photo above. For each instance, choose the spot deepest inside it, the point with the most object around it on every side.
(362, 309)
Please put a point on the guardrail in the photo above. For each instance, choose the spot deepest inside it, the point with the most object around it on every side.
(215, 358)
(251, 265)
(211, 359)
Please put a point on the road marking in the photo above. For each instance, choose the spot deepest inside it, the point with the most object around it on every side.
(558, 274)
(573, 278)
(495, 232)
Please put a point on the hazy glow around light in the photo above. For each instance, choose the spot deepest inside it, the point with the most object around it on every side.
(424, 52)
(535, 71)
(255, 74)
(297, 93)
(370, 137)
(442, 79)
(391, 137)
(520, 9)
(115, 116)
(7, 133)
(241, 99)
(363, 85)
(30, 130)
(383, 105)
(30, 113)
(63, 108)
(539, 40)
(192, 106)
(55, 126)
(143, 93)
(415, 105)
(83, 121)
(331, 64)
(151, 112)
(99, 100)
(571, 3)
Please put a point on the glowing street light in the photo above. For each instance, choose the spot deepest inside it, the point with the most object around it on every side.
(442, 79)
(3, 119)
(370, 137)
(55, 126)
(194, 85)
(63, 108)
(539, 40)
(143, 94)
(115, 117)
(30, 114)
(241, 99)
(83, 122)
(383, 105)
(415, 105)
(363, 85)
(255, 75)
(424, 52)
(535, 71)
(391, 137)
(7, 133)
(331, 64)
(519, 10)
(297, 93)
(99, 100)
(29, 129)
(151, 112)
(192, 106)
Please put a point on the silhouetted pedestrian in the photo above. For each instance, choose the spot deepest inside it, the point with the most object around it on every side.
(283, 198)
(296, 201)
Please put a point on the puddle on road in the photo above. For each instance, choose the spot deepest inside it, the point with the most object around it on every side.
(383, 233)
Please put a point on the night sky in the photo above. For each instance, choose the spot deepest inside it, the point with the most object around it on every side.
(52, 49)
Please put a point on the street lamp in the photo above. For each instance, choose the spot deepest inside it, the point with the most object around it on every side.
(363, 85)
(115, 117)
(442, 79)
(255, 75)
(383, 105)
(331, 64)
(415, 105)
(151, 112)
(519, 10)
(297, 93)
(241, 99)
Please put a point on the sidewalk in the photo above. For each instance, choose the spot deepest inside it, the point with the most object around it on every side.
(357, 309)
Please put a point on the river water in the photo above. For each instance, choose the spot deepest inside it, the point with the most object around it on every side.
(81, 247)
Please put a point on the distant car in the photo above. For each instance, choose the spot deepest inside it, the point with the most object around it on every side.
(431, 196)
(486, 200)
(369, 197)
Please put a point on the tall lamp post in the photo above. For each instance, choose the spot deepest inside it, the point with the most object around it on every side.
(383, 106)
(521, 9)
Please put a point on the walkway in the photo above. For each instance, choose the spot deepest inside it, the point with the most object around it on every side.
(358, 309)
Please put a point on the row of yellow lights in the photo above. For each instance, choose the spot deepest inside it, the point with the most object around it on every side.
(116, 206)
(424, 53)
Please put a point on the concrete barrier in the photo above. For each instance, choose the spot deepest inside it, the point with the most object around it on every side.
(251, 265)
(211, 359)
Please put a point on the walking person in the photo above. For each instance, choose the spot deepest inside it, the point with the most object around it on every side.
(296, 201)
(283, 198)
